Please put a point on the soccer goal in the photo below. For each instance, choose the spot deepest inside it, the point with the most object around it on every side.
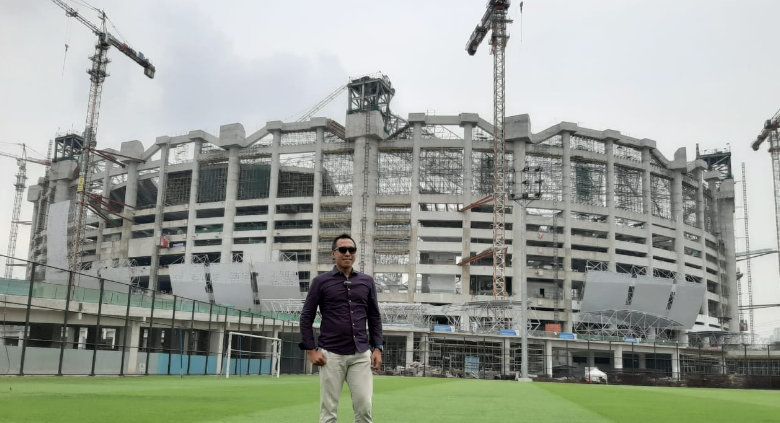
(252, 355)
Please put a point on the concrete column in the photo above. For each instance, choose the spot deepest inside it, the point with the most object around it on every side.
(642, 361)
(609, 148)
(315, 224)
(506, 356)
(364, 240)
(424, 349)
(617, 357)
(409, 358)
(133, 341)
(231, 195)
(518, 247)
(193, 204)
(725, 222)
(61, 190)
(101, 222)
(548, 358)
(216, 345)
(679, 226)
(273, 189)
(82, 336)
(131, 195)
(647, 206)
(591, 358)
(468, 198)
(416, 119)
(567, 192)
(676, 365)
(162, 182)
(700, 216)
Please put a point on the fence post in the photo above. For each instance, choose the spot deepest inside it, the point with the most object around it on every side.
(25, 335)
(170, 343)
(238, 359)
(192, 336)
(64, 329)
(262, 343)
(251, 340)
(208, 350)
(124, 332)
(101, 281)
(149, 338)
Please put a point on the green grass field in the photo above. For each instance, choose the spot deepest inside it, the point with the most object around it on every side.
(295, 399)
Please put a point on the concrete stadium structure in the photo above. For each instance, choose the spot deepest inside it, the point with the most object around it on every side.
(587, 199)
(408, 191)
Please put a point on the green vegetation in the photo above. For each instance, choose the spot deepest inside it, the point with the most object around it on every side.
(295, 399)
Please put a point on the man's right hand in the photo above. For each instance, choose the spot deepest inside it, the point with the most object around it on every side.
(316, 357)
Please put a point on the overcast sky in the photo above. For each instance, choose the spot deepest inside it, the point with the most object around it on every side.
(677, 72)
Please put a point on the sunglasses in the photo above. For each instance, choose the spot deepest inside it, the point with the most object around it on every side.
(345, 250)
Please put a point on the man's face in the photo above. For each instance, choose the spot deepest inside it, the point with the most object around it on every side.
(347, 259)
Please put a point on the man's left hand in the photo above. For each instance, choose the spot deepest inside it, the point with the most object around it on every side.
(376, 359)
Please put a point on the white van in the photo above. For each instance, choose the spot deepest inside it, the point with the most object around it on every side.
(594, 375)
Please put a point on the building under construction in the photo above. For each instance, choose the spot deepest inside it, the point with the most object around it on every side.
(408, 191)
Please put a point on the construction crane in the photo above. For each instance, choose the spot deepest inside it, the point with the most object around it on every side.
(770, 131)
(97, 74)
(324, 102)
(495, 20)
(19, 186)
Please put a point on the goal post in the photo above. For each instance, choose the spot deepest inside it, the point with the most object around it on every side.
(272, 352)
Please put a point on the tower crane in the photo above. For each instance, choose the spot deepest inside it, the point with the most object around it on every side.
(495, 20)
(97, 75)
(770, 131)
(19, 186)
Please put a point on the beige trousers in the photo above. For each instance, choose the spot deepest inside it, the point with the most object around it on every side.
(356, 370)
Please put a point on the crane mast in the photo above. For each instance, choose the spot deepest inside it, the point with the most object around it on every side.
(495, 19)
(19, 186)
(769, 131)
(97, 75)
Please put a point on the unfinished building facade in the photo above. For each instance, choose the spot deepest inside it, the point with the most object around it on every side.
(582, 199)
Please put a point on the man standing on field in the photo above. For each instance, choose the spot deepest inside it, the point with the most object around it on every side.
(350, 342)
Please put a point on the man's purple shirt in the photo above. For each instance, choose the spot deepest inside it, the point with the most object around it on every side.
(348, 307)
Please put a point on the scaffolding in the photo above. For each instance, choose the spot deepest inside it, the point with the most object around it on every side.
(177, 188)
(589, 183)
(337, 174)
(298, 138)
(254, 177)
(690, 205)
(628, 189)
(441, 171)
(549, 176)
(578, 142)
(212, 181)
(483, 171)
(394, 172)
(146, 194)
(627, 152)
(296, 175)
(661, 195)
(182, 153)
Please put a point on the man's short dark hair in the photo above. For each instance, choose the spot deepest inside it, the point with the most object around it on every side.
(342, 236)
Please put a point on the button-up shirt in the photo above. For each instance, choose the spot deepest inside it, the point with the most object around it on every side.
(348, 305)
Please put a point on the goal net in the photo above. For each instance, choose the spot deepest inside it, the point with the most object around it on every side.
(249, 354)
